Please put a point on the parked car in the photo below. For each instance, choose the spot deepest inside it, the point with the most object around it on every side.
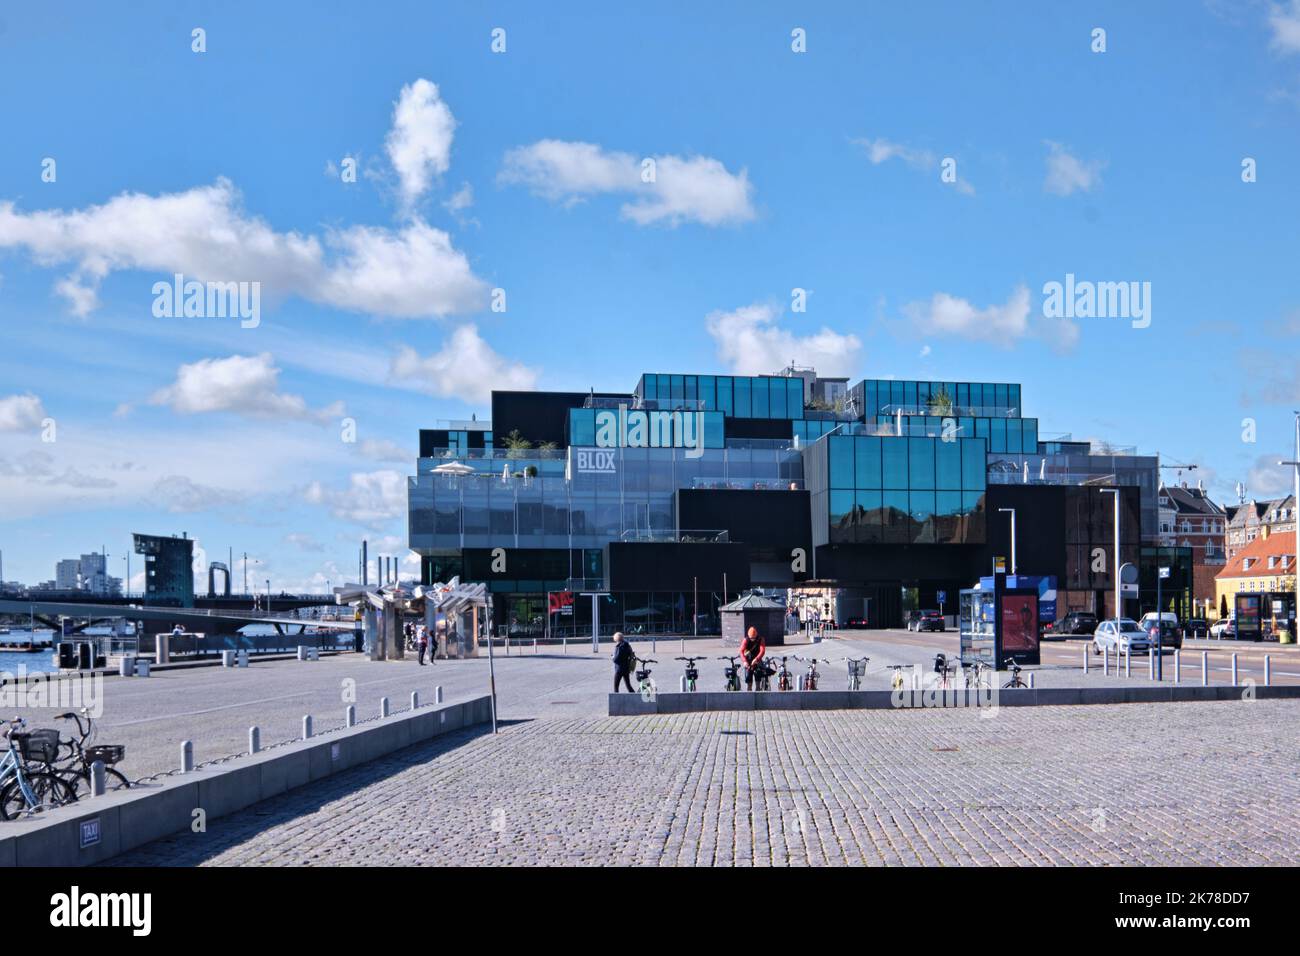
(1076, 622)
(1121, 635)
(1195, 627)
(1171, 633)
(1225, 628)
(929, 621)
(856, 622)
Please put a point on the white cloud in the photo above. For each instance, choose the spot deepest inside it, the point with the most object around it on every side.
(371, 498)
(20, 412)
(750, 342)
(1267, 479)
(419, 143)
(244, 385)
(384, 450)
(205, 234)
(466, 367)
(881, 150)
(1067, 174)
(461, 199)
(948, 316)
(1284, 22)
(685, 189)
(179, 494)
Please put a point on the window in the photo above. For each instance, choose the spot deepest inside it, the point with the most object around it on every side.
(921, 465)
(894, 463)
(742, 399)
(840, 451)
(867, 463)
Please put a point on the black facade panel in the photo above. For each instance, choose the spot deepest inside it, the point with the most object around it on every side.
(539, 416)
(677, 566)
(758, 428)
(777, 521)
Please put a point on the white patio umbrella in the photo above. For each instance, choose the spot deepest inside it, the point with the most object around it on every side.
(453, 468)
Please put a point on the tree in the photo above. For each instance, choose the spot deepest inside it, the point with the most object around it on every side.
(940, 403)
(516, 444)
(1223, 605)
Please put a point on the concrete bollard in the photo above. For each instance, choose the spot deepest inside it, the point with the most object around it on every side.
(350, 716)
(126, 667)
(1031, 680)
(187, 756)
(302, 652)
(1205, 668)
(1234, 669)
(534, 645)
(142, 667)
(306, 726)
(437, 694)
(415, 700)
(98, 779)
(1268, 670)
(1105, 661)
(254, 739)
(241, 658)
(1085, 659)
(1178, 667)
(566, 645)
(383, 707)
(227, 658)
(681, 683)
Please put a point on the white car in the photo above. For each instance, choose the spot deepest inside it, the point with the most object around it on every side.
(1224, 627)
(1120, 636)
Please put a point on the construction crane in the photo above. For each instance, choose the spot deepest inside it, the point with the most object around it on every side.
(1177, 466)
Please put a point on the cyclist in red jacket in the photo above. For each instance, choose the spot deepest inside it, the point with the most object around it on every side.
(752, 649)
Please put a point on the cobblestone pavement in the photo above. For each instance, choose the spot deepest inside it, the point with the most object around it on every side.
(1210, 783)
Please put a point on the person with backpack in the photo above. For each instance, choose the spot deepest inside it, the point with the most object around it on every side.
(624, 659)
(752, 650)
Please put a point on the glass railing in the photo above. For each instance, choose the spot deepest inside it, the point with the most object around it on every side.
(654, 534)
(748, 484)
(952, 411)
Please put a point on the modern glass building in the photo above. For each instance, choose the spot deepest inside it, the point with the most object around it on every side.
(670, 498)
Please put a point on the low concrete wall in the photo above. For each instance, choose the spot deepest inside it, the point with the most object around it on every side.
(632, 705)
(131, 818)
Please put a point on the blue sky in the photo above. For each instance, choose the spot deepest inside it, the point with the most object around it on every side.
(521, 171)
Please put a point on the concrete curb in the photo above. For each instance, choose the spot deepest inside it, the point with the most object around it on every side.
(631, 705)
(128, 819)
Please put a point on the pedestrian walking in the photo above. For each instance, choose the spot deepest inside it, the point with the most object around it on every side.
(421, 641)
(624, 658)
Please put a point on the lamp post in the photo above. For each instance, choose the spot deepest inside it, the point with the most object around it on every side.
(1295, 513)
(1012, 511)
(1115, 569)
(268, 597)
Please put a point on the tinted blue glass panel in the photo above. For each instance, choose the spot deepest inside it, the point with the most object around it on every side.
(677, 388)
(921, 506)
(893, 457)
(920, 462)
(794, 397)
(649, 389)
(1029, 436)
(974, 464)
(840, 452)
(867, 473)
(714, 430)
(742, 401)
(870, 526)
(841, 517)
(692, 388)
(948, 464)
(582, 426)
(725, 403)
(896, 393)
(963, 395)
(707, 394)
(1013, 397)
(758, 392)
(998, 435)
(895, 506)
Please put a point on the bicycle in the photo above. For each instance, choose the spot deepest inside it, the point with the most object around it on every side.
(732, 673)
(783, 680)
(26, 791)
(976, 674)
(645, 684)
(896, 681)
(759, 675)
(808, 680)
(944, 668)
(692, 672)
(74, 769)
(857, 668)
(1015, 674)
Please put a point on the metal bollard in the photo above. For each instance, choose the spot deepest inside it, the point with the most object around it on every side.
(1234, 668)
(1128, 663)
(1151, 664)
(534, 645)
(1268, 670)
(1085, 659)
(566, 645)
(1105, 661)
(437, 694)
(1031, 680)
(1205, 668)
(383, 707)
(350, 716)
(415, 700)
(187, 756)
(254, 740)
(306, 726)
(681, 683)
(98, 779)
(1178, 667)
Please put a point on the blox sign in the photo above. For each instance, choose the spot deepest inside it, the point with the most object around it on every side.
(593, 461)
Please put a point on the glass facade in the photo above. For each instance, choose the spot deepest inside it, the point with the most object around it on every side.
(736, 396)
(905, 490)
(670, 430)
(1004, 435)
(885, 397)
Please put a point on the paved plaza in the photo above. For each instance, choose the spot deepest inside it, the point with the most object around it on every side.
(1133, 784)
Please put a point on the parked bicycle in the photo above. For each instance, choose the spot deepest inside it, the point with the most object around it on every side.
(808, 680)
(760, 675)
(944, 669)
(897, 680)
(74, 769)
(23, 788)
(731, 672)
(857, 669)
(784, 679)
(645, 684)
(692, 672)
(976, 674)
(1014, 667)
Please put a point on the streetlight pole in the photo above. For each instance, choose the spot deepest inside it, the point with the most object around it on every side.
(1295, 514)
(268, 597)
(1013, 537)
(1116, 565)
